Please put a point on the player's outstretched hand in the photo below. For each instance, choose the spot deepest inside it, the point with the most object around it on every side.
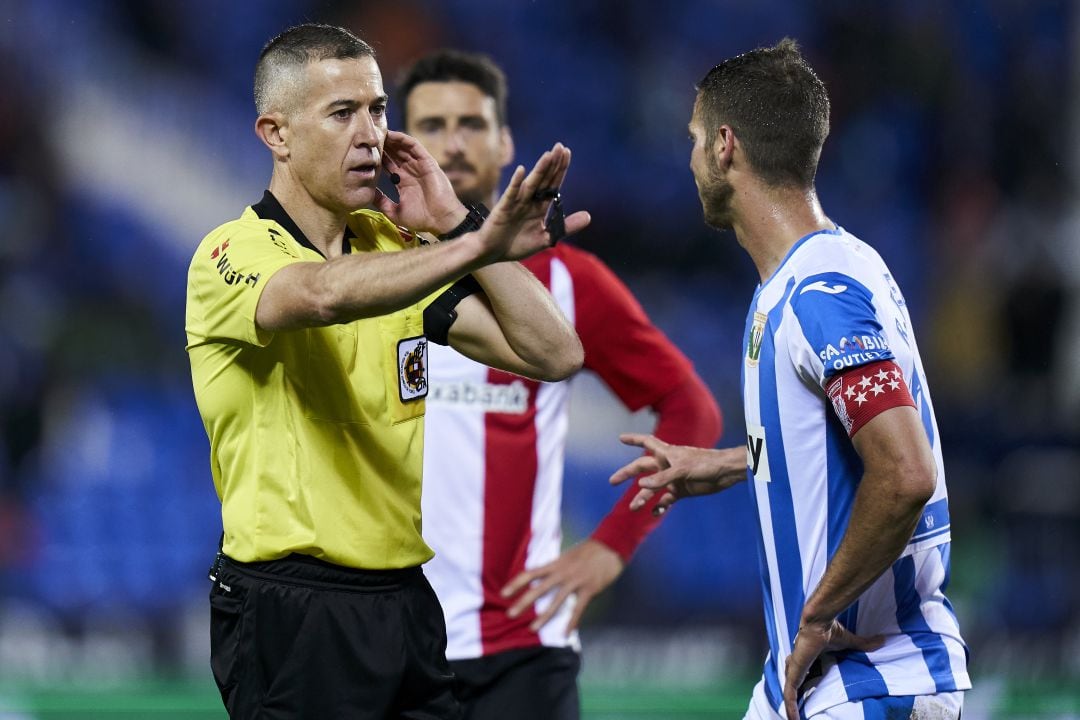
(813, 639)
(584, 570)
(515, 229)
(678, 471)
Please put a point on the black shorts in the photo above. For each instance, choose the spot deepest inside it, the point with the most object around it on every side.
(302, 639)
(538, 683)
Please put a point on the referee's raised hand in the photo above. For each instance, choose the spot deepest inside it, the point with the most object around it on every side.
(515, 229)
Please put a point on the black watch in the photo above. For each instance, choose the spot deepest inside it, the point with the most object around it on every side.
(477, 215)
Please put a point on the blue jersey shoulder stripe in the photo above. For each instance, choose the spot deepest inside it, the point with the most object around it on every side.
(837, 317)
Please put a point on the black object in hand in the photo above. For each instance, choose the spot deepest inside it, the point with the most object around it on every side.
(555, 222)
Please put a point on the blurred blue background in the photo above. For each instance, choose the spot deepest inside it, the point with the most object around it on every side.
(126, 135)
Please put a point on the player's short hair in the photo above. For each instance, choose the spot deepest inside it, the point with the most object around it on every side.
(777, 106)
(455, 65)
(282, 59)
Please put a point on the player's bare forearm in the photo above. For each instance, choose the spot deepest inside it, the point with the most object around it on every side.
(898, 480)
(361, 285)
(534, 326)
(515, 325)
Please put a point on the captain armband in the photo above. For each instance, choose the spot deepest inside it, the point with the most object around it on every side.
(441, 314)
(860, 394)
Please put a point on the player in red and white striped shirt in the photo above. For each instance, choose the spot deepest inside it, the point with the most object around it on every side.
(494, 442)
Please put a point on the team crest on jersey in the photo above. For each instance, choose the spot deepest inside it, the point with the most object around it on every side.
(757, 332)
(412, 368)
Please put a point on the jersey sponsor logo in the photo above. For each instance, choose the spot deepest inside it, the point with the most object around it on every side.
(228, 273)
(757, 454)
(822, 286)
(854, 350)
(412, 368)
(757, 332)
(486, 397)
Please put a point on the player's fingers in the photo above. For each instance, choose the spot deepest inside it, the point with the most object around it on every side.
(790, 705)
(635, 439)
(536, 591)
(522, 579)
(535, 177)
(404, 147)
(583, 601)
(653, 445)
(844, 639)
(643, 464)
(553, 172)
(644, 496)
(513, 189)
(557, 173)
(576, 222)
(793, 678)
(549, 612)
(396, 149)
(664, 504)
(656, 480)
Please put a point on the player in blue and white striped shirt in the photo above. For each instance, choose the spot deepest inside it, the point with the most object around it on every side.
(843, 455)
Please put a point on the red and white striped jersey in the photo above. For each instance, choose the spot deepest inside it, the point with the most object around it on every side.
(493, 464)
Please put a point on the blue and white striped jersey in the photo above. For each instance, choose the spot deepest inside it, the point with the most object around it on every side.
(830, 306)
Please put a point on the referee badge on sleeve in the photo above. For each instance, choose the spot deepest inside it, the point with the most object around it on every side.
(412, 356)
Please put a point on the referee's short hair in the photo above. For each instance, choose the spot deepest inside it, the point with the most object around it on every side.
(455, 65)
(777, 106)
(282, 59)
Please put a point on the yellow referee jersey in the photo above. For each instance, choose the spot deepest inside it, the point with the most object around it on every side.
(316, 435)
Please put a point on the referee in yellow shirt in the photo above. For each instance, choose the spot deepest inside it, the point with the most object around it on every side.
(308, 320)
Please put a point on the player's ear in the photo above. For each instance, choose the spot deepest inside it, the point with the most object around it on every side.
(724, 147)
(273, 129)
(506, 146)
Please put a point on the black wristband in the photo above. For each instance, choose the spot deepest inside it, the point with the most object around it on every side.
(472, 222)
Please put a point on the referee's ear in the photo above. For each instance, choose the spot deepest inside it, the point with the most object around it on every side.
(273, 131)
